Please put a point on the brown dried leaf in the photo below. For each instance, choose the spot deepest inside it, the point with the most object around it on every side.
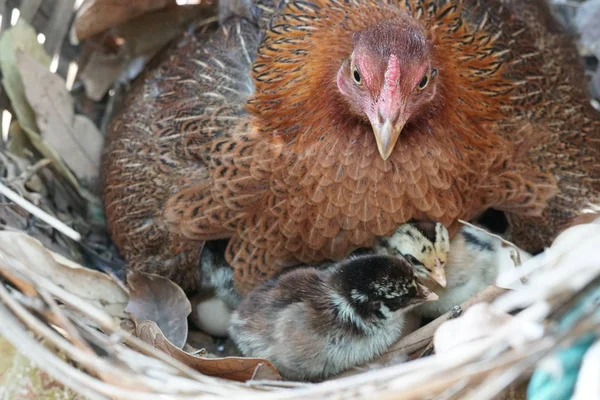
(143, 37)
(90, 286)
(95, 16)
(159, 299)
(74, 137)
(100, 72)
(148, 33)
(234, 368)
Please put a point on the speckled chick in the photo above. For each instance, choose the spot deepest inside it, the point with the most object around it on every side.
(425, 244)
(472, 261)
(314, 323)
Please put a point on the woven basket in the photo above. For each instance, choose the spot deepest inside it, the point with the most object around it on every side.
(83, 349)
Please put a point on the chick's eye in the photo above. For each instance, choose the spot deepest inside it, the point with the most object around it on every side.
(423, 82)
(356, 76)
(402, 301)
(398, 302)
(412, 260)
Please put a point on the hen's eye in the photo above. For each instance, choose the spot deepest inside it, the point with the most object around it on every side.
(356, 76)
(423, 83)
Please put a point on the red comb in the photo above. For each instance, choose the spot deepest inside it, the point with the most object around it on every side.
(390, 86)
(392, 71)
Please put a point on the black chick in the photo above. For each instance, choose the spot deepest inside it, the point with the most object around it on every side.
(313, 323)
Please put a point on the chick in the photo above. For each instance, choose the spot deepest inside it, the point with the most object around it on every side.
(424, 244)
(314, 323)
(472, 261)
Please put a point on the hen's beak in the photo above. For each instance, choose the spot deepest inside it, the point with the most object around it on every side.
(386, 135)
(425, 294)
(439, 274)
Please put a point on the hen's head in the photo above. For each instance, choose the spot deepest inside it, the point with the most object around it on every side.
(389, 79)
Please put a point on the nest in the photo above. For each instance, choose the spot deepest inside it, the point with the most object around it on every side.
(81, 332)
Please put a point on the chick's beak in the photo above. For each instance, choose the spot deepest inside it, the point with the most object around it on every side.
(386, 134)
(425, 294)
(439, 274)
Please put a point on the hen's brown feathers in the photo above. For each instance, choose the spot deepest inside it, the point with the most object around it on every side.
(158, 145)
(318, 189)
(298, 179)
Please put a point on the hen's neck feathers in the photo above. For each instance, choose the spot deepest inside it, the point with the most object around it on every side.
(306, 43)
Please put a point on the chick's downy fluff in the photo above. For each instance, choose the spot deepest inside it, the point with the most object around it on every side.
(473, 264)
(467, 264)
(425, 244)
(314, 323)
(322, 161)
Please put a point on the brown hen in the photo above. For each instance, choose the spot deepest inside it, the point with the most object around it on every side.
(364, 114)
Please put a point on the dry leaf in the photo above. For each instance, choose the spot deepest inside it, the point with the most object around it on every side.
(74, 137)
(17, 139)
(143, 37)
(233, 368)
(96, 16)
(20, 37)
(24, 38)
(48, 152)
(100, 72)
(158, 299)
(91, 286)
(150, 32)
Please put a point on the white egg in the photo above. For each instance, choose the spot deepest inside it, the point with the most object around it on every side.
(211, 315)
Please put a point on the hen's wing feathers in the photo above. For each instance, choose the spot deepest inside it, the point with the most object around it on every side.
(571, 148)
(552, 178)
(158, 147)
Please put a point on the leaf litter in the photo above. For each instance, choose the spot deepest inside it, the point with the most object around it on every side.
(158, 299)
(235, 368)
(96, 16)
(22, 37)
(147, 293)
(73, 136)
(47, 122)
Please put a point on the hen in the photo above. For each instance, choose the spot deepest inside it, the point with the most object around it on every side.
(360, 115)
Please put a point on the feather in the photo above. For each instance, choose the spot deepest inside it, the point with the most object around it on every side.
(269, 152)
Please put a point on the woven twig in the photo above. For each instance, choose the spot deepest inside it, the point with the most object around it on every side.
(85, 349)
(132, 369)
